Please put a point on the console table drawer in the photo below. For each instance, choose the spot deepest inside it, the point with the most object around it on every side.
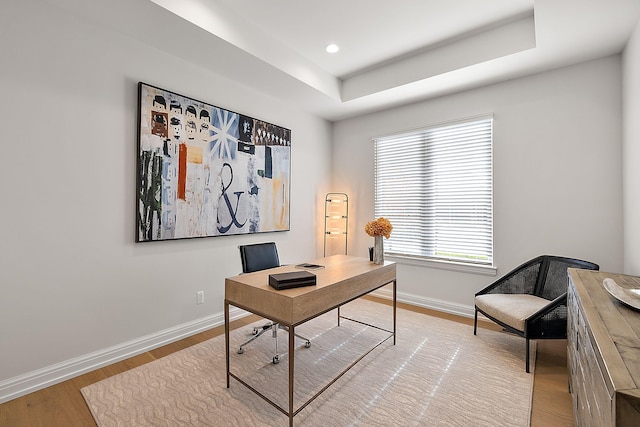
(592, 399)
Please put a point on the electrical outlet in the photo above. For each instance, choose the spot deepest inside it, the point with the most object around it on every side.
(199, 297)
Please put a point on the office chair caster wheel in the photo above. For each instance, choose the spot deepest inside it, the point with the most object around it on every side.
(276, 359)
(240, 350)
(307, 344)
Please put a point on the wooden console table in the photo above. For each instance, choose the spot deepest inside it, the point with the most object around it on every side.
(343, 279)
(603, 344)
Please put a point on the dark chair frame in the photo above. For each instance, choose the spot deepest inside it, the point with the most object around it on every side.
(257, 257)
(545, 277)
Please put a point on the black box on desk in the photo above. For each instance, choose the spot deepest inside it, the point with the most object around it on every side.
(293, 279)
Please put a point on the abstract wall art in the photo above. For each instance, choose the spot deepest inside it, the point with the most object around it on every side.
(206, 171)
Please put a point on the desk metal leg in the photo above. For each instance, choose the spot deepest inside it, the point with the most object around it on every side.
(394, 312)
(292, 357)
(226, 336)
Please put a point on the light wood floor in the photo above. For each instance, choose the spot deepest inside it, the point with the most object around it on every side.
(63, 405)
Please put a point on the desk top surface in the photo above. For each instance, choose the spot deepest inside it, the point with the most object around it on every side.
(342, 279)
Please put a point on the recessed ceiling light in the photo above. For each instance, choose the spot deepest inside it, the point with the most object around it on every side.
(332, 48)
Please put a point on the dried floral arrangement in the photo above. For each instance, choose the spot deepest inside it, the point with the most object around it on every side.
(380, 227)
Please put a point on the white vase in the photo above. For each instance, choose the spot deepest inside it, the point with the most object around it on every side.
(378, 250)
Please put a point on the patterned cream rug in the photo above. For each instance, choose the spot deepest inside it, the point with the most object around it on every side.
(437, 374)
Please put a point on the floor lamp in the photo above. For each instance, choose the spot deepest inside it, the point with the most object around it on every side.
(336, 223)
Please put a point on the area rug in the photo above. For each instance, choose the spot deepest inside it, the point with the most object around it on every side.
(437, 374)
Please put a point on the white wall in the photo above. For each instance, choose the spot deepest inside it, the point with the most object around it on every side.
(557, 173)
(73, 281)
(631, 153)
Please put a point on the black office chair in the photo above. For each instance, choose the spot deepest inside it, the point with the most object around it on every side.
(531, 300)
(256, 257)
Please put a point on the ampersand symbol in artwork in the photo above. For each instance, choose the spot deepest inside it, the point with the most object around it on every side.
(232, 211)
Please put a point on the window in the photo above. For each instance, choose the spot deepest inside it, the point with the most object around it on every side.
(435, 185)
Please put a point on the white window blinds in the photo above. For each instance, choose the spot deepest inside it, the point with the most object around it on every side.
(435, 185)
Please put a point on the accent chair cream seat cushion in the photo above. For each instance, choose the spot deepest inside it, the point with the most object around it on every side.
(511, 309)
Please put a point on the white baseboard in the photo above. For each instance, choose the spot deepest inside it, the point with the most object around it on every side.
(36, 380)
(54, 374)
(433, 304)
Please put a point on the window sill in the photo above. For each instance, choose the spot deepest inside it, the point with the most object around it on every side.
(485, 270)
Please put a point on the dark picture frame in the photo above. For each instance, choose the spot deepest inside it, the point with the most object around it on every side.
(206, 171)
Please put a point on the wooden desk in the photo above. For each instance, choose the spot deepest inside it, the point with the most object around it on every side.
(344, 278)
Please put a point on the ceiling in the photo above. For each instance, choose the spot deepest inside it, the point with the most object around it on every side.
(369, 32)
(391, 53)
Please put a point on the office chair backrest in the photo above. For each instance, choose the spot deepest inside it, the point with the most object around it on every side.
(259, 256)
